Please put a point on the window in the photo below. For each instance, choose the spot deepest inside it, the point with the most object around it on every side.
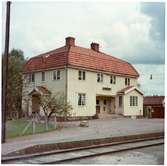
(133, 101)
(127, 81)
(99, 77)
(81, 75)
(31, 77)
(43, 76)
(56, 75)
(120, 101)
(97, 102)
(113, 79)
(81, 98)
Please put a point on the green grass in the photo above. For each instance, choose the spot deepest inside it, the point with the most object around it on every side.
(14, 128)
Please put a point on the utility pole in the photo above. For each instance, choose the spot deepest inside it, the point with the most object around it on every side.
(5, 71)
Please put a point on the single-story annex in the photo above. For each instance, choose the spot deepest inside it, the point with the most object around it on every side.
(154, 106)
(93, 82)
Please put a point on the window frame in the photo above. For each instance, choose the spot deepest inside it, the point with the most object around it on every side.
(42, 76)
(133, 101)
(112, 79)
(99, 77)
(127, 81)
(56, 75)
(81, 99)
(81, 75)
(31, 78)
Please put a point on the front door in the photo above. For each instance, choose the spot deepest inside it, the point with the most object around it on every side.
(35, 103)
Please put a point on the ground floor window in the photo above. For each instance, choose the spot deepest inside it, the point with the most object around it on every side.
(133, 101)
(81, 99)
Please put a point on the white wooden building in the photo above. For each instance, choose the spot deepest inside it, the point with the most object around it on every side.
(93, 82)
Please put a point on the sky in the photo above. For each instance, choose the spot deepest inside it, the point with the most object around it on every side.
(134, 32)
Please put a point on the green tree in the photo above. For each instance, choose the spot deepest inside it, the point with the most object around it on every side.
(55, 105)
(15, 66)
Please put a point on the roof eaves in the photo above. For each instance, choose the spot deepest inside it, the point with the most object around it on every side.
(134, 88)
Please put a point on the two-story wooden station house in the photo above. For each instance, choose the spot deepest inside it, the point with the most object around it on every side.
(92, 81)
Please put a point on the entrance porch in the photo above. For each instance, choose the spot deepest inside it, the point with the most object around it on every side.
(105, 105)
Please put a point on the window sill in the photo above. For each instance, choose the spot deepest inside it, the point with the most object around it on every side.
(81, 105)
(56, 80)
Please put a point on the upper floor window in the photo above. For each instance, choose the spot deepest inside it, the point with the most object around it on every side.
(56, 75)
(120, 101)
(99, 77)
(32, 77)
(133, 101)
(81, 75)
(113, 79)
(127, 81)
(43, 76)
(81, 99)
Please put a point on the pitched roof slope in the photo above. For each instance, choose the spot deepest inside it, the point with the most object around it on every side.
(88, 58)
(51, 59)
(122, 91)
(153, 100)
(80, 57)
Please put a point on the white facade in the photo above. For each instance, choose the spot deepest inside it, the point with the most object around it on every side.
(104, 92)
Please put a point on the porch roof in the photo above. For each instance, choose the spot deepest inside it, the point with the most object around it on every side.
(129, 89)
(40, 90)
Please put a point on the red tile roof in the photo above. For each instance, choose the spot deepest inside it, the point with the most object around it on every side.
(153, 100)
(122, 91)
(80, 57)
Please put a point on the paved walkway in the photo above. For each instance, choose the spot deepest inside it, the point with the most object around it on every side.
(99, 128)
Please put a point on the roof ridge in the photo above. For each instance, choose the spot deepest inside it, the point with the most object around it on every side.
(100, 52)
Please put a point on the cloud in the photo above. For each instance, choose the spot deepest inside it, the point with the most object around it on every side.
(131, 31)
(122, 29)
(154, 86)
(156, 10)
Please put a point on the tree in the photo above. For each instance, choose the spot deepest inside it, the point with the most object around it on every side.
(54, 105)
(14, 91)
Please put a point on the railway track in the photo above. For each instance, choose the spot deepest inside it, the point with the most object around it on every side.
(60, 156)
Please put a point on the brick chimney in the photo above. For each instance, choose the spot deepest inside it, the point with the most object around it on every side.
(70, 41)
(95, 46)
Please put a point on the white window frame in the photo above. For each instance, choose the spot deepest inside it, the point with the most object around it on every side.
(56, 75)
(113, 79)
(127, 81)
(42, 76)
(81, 99)
(81, 75)
(31, 78)
(133, 101)
(99, 77)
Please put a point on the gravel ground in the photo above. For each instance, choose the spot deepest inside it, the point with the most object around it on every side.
(99, 128)
(146, 156)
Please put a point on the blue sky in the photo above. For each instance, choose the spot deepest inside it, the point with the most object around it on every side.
(134, 32)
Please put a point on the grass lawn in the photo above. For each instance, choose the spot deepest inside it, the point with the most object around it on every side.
(14, 128)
